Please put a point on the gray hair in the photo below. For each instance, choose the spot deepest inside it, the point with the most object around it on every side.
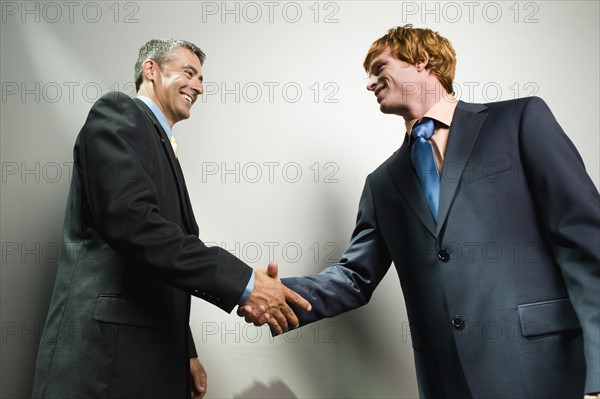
(161, 51)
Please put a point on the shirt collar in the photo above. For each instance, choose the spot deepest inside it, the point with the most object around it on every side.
(441, 112)
(159, 115)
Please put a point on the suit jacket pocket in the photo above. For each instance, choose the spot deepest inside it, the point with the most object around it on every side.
(118, 310)
(547, 317)
(502, 169)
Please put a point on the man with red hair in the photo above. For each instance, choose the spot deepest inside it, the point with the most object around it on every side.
(502, 176)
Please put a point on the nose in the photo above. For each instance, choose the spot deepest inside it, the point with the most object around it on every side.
(372, 83)
(198, 87)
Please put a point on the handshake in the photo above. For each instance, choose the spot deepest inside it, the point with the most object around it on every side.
(269, 302)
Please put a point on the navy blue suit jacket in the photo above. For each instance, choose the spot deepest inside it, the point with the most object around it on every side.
(503, 293)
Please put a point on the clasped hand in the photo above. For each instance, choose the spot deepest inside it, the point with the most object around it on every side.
(269, 300)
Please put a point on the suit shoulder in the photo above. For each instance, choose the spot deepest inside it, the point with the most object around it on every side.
(115, 100)
(114, 108)
(384, 165)
(517, 103)
(114, 113)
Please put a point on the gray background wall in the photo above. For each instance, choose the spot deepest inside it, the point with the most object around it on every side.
(275, 154)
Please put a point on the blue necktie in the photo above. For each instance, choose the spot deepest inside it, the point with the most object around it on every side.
(424, 164)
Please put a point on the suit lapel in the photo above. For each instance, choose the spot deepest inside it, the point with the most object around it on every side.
(466, 124)
(184, 200)
(407, 184)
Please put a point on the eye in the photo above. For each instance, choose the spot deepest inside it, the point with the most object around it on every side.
(189, 73)
(376, 69)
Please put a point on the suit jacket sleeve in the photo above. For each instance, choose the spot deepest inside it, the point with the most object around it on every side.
(116, 157)
(568, 205)
(349, 283)
(192, 344)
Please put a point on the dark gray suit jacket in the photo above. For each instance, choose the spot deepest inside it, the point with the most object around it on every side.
(503, 294)
(118, 323)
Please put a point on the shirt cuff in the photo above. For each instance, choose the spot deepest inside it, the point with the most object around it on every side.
(247, 291)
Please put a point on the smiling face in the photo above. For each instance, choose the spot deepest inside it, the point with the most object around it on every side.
(396, 84)
(175, 85)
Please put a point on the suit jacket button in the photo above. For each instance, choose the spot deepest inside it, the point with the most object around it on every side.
(443, 255)
(457, 321)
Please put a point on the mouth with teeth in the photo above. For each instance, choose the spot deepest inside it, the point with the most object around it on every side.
(187, 98)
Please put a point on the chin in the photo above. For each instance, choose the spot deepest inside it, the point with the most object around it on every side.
(392, 110)
(386, 110)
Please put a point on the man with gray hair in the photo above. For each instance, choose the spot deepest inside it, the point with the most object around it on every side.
(118, 323)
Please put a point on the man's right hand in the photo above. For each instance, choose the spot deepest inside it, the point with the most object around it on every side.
(268, 302)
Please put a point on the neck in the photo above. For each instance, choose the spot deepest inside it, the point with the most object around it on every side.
(148, 92)
(424, 100)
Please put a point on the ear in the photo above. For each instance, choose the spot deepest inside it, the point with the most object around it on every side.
(422, 63)
(150, 70)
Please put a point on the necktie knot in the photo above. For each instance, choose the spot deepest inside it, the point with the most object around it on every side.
(174, 145)
(423, 129)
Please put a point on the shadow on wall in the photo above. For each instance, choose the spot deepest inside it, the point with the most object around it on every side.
(276, 390)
